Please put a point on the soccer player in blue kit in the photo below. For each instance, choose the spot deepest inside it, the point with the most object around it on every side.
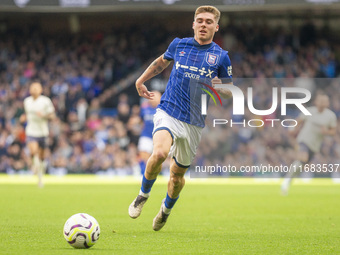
(196, 58)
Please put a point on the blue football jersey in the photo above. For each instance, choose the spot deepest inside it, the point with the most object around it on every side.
(193, 64)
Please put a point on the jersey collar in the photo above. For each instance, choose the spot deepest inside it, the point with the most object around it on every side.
(201, 47)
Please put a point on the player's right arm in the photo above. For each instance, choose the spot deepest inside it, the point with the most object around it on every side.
(23, 118)
(295, 130)
(156, 67)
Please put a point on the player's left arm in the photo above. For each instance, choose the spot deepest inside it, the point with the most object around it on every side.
(223, 92)
(48, 116)
(293, 131)
(225, 75)
(49, 112)
(331, 128)
(329, 131)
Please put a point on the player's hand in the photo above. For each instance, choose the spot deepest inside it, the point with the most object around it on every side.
(144, 92)
(324, 130)
(22, 118)
(225, 93)
(40, 115)
(292, 131)
(215, 81)
(45, 116)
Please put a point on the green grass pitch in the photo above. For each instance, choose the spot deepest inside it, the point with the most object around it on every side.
(240, 216)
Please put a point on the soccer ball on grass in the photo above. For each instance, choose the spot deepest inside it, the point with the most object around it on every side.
(81, 231)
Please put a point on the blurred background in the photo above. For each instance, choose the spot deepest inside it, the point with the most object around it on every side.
(88, 54)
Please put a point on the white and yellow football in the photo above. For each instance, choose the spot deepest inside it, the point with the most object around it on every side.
(81, 231)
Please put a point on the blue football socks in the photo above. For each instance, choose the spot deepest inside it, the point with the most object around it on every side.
(169, 203)
(146, 186)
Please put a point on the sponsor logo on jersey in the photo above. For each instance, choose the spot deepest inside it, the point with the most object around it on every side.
(202, 71)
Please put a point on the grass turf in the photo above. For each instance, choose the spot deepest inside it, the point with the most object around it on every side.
(227, 217)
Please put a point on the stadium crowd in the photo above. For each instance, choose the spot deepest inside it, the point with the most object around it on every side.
(97, 131)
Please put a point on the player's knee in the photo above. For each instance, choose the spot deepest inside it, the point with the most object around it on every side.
(303, 158)
(159, 155)
(177, 180)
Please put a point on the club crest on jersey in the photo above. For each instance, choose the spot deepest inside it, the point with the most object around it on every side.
(182, 53)
(212, 59)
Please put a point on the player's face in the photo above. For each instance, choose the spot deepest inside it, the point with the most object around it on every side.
(205, 27)
(35, 89)
(322, 102)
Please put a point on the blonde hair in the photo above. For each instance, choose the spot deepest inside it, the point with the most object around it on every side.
(210, 9)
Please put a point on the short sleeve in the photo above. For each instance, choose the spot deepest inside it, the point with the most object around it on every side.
(170, 52)
(333, 121)
(225, 69)
(49, 106)
(25, 104)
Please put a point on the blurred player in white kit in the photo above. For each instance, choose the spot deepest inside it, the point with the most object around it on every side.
(311, 131)
(38, 111)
